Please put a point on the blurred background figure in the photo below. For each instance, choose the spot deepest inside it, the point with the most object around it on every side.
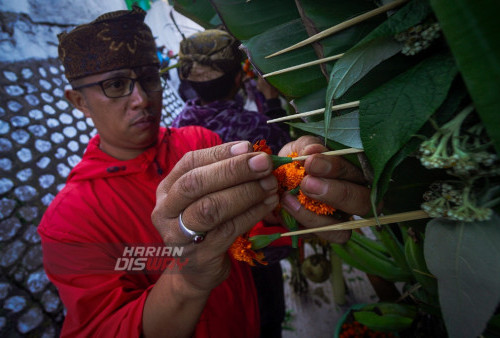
(210, 62)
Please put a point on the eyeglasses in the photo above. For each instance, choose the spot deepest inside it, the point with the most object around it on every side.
(123, 86)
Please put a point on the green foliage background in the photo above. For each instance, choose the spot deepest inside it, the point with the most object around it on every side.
(402, 101)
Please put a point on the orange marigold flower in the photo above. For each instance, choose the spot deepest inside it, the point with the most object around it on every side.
(262, 146)
(315, 206)
(241, 250)
(289, 175)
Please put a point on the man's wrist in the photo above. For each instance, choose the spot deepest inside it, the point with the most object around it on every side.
(183, 288)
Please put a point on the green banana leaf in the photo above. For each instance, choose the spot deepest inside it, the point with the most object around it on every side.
(200, 12)
(283, 34)
(293, 84)
(246, 19)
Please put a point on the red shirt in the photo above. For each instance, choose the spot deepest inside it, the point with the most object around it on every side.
(105, 206)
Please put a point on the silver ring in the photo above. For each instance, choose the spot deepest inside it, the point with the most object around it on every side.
(195, 236)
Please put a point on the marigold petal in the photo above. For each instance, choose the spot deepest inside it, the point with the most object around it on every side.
(261, 145)
(241, 250)
(315, 206)
(289, 175)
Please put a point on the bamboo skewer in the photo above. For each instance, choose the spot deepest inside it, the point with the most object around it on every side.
(341, 26)
(401, 217)
(304, 65)
(347, 105)
(332, 153)
(295, 116)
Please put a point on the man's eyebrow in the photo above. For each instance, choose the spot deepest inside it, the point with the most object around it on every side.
(119, 72)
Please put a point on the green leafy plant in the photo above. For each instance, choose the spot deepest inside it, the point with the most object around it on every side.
(420, 80)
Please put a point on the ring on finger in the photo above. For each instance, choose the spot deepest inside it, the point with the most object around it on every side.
(195, 236)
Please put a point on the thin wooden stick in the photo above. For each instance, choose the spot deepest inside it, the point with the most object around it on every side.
(341, 26)
(295, 116)
(332, 153)
(347, 105)
(401, 217)
(304, 65)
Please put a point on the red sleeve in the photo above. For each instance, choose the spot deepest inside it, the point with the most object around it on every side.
(99, 301)
(194, 137)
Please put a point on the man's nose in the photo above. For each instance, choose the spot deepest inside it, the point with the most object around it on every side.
(138, 95)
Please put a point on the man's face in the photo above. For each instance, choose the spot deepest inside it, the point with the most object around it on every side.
(129, 124)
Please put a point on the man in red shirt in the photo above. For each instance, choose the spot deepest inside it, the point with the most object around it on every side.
(137, 240)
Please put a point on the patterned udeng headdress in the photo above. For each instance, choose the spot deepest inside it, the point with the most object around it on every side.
(208, 55)
(113, 41)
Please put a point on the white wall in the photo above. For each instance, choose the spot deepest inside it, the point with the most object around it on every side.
(31, 26)
(159, 20)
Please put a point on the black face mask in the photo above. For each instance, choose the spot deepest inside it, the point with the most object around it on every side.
(216, 89)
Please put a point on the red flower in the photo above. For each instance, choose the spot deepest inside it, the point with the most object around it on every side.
(241, 250)
(262, 146)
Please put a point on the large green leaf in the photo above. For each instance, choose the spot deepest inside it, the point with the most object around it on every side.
(367, 53)
(267, 26)
(393, 113)
(357, 62)
(200, 12)
(345, 129)
(472, 31)
(405, 192)
(313, 101)
(318, 15)
(292, 84)
(245, 19)
(381, 74)
(376, 47)
(465, 258)
(381, 182)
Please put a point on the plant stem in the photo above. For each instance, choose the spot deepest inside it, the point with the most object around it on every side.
(337, 279)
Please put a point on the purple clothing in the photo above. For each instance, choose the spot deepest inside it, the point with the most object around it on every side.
(232, 122)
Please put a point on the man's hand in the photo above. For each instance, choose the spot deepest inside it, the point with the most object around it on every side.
(224, 191)
(329, 179)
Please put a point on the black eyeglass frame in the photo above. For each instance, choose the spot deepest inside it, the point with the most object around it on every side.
(132, 84)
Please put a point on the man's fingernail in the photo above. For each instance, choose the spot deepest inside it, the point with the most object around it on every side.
(291, 202)
(240, 148)
(320, 166)
(259, 162)
(269, 183)
(273, 199)
(313, 185)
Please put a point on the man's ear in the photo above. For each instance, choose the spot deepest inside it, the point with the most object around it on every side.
(78, 101)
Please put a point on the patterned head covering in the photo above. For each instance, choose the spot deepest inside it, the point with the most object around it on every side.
(208, 55)
(113, 41)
